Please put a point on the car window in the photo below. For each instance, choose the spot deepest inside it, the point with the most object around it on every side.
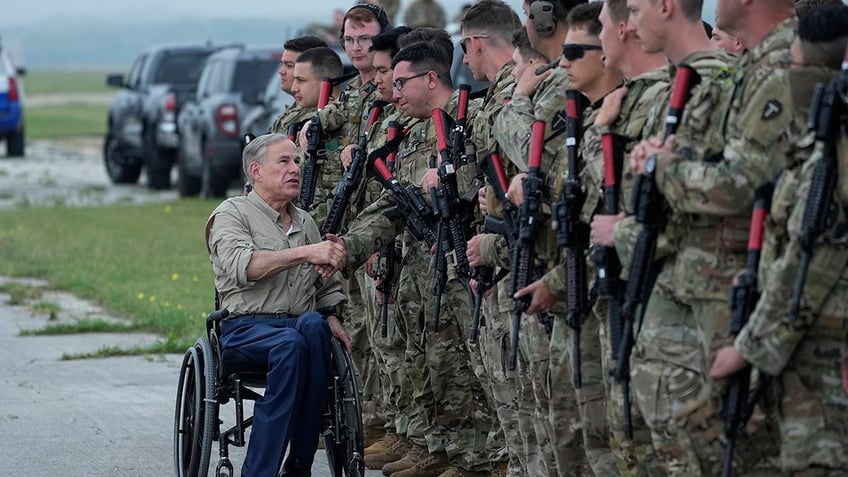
(251, 77)
(181, 69)
(5, 65)
(134, 76)
(210, 79)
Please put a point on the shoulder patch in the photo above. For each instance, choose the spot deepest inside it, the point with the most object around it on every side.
(772, 109)
(558, 121)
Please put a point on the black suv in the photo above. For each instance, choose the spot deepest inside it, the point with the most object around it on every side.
(211, 124)
(142, 126)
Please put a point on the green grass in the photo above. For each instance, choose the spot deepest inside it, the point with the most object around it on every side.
(46, 81)
(144, 262)
(59, 122)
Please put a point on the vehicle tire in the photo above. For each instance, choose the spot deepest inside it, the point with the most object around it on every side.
(212, 183)
(15, 144)
(157, 163)
(119, 169)
(188, 184)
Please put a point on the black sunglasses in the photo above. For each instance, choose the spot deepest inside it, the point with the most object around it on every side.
(575, 51)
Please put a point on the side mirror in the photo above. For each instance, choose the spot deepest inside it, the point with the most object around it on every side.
(116, 80)
(21, 71)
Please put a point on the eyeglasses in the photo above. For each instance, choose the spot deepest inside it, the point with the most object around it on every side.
(363, 41)
(399, 83)
(575, 51)
(466, 38)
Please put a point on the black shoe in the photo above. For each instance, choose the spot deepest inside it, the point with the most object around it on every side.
(297, 467)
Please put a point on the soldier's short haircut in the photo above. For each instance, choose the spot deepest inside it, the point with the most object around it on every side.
(586, 17)
(691, 9)
(617, 10)
(388, 40)
(436, 36)
(493, 17)
(823, 35)
(255, 151)
(802, 7)
(426, 57)
(324, 61)
(303, 43)
(521, 41)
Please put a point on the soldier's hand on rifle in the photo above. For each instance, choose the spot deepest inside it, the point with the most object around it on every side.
(542, 298)
(529, 81)
(515, 193)
(472, 251)
(481, 199)
(603, 229)
(347, 155)
(302, 140)
(611, 107)
(430, 179)
(728, 361)
(369, 264)
(647, 148)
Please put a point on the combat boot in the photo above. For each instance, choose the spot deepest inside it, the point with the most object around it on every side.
(502, 470)
(457, 472)
(372, 434)
(392, 453)
(415, 455)
(432, 465)
(383, 444)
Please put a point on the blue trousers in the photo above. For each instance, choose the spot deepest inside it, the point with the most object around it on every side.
(296, 353)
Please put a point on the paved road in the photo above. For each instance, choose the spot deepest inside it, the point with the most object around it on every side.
(93, 417)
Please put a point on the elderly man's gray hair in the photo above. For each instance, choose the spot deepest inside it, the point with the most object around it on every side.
(255, 151)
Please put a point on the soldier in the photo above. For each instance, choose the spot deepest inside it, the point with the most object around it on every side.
(487, 28)
(804, 356)
(458, 415)
(725, 41)
(310, 68)
(707, 175)
(425, 13)
(542, 97)
(293, 114)
(341, 124)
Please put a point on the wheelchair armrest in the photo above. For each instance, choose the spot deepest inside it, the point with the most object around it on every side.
(214, 319)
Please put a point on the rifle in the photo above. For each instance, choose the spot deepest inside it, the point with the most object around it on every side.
(451, 259)
(743, 300)
(523, 254)
(820, 210)
(572, 235)
(650, 210)
(352, 176)
(409, 204)
(386, 269)
(313, 160)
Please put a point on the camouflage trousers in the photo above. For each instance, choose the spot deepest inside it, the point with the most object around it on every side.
(578, 416)
(679, 401)
(634, 457)
(358, 321)
(533, 373)
(457, 413)
(494, 344)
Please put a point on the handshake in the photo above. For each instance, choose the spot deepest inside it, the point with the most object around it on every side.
(328, 256)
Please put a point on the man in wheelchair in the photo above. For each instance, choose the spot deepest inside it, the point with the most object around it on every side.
(271, 268)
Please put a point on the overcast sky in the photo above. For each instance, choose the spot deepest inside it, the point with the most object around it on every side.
(28, 11)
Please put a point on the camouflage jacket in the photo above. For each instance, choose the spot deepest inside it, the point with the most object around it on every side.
(425, 13)
(372, 227)
(293, 115)
(341, 123)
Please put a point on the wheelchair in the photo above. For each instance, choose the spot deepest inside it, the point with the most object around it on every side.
(211, 377)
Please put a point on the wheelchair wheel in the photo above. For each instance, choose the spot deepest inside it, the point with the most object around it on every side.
(196, 412)
(343, 439)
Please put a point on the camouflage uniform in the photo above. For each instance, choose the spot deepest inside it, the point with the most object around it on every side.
(804, 356)
(493, 345)
(458, 416)
(341, 123)
(425, 13)
(709, 186)
(559, 441)
(633, 457)
(293, 114)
